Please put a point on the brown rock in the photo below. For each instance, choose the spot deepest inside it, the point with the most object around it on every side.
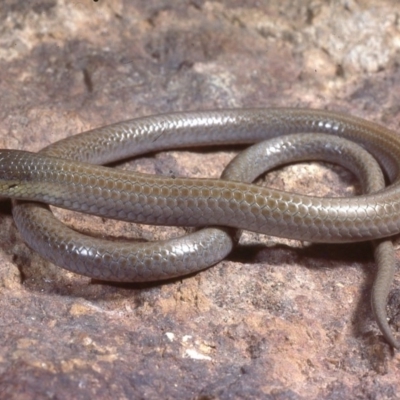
(278, 319)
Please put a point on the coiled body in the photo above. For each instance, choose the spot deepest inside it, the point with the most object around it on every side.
(191, 202)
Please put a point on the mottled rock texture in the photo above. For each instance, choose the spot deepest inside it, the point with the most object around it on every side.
(279, 319)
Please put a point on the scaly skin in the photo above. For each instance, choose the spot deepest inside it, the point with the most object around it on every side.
(52, 178)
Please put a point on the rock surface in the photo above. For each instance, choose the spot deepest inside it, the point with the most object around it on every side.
(278, 319)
